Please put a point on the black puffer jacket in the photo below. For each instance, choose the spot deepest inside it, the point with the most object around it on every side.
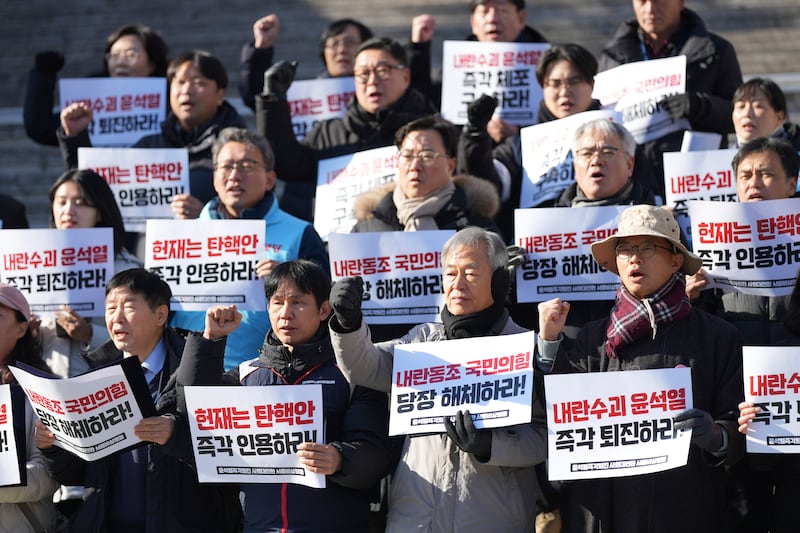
(712, 74)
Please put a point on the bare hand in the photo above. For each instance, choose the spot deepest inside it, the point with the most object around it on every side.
(43, 436)
(422, 28)
(265, 31)
(320, 458)
(186, 206)
(498, 129)
(34, 325)
(552, 317)
(747, 413)
(695, 284)
(76, 117)
(75, 325)
(264, 267)
(221, 320)
(156, 429)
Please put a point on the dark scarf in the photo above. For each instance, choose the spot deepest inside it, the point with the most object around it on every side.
(632, 318)
(483, 323)
(621, 198)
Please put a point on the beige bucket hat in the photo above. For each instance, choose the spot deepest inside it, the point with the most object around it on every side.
(644, 220)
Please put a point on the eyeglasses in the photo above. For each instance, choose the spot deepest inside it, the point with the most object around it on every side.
(645, 250)
(245, 166)
(426, 157)
(382, 72)
(346, 43)
(606, 153)
(569, 83)
(130, 56)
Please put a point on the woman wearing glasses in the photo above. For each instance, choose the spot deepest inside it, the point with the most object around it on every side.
(132, 50)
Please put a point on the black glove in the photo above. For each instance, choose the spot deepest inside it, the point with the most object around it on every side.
(677, 105)
(346, 302)
(478, 442)
(50, 61)
(479, 112)
(706, 433)
(278, 78)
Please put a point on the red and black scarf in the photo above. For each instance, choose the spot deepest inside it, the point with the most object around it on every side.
(632, 319)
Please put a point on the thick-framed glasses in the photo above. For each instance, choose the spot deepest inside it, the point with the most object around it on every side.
(569, 83)
(382, 72)
(245, 166)
(426, 157)
(348, 43)
(645, 250)
(606, 153)
(129, 56)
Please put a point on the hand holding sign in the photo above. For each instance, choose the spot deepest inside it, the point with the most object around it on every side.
(706, 433)
(44, 437)
(156, 429)
(463, 433)
(747, 413)
(320, 458)
(221, 321)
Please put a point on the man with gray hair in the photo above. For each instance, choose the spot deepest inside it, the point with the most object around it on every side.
(469, 479)
(244, 177)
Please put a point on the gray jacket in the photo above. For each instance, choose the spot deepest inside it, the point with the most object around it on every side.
(437, 486)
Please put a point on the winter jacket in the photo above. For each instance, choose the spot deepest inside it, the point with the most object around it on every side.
(296, 161)
(284, 232)
(64, 355)
(759, 319)
(690, 498)
(36, 494)
(474, 203)
(175, 501)
(197, 142)
(712, 74)
(437, 486)
(356, 423)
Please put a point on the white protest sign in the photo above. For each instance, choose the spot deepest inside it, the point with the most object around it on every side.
(619, 423)
(507, 70)
(125, 109)
(491, 377)
(312, 101)
(559, 264)
(54, 267)
(208, 262)
(341, 179)
(252, 434)
(11, 471)
(547, 156)
(144, 180)
(91, 415)
(749, 247)
(635, 90)
(702, 175)
(402, 273)
(772, 382)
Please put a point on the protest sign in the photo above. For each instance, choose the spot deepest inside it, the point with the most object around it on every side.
(208, 262)
(491, 377)
(54, 267)
(749, 247)
(557, 243)
(635, 90)
(547, 156)
(772, 382)
(144, 180)
(91, 415)
(507, 70)
(125, 109)
(702, 175)
(402, 273)
(13, 437)
(341, 179)
(252, 434)
(312, 101)
(620, 423)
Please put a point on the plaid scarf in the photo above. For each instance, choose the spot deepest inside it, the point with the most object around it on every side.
(632, 318)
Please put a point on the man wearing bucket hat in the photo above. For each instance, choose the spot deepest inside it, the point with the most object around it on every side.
(653, 325)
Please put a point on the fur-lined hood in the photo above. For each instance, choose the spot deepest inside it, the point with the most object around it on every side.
(482, 198)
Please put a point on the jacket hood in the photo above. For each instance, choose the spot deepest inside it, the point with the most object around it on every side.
(481, 197)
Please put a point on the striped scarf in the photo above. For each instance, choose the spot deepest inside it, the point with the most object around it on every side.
(632, 318)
